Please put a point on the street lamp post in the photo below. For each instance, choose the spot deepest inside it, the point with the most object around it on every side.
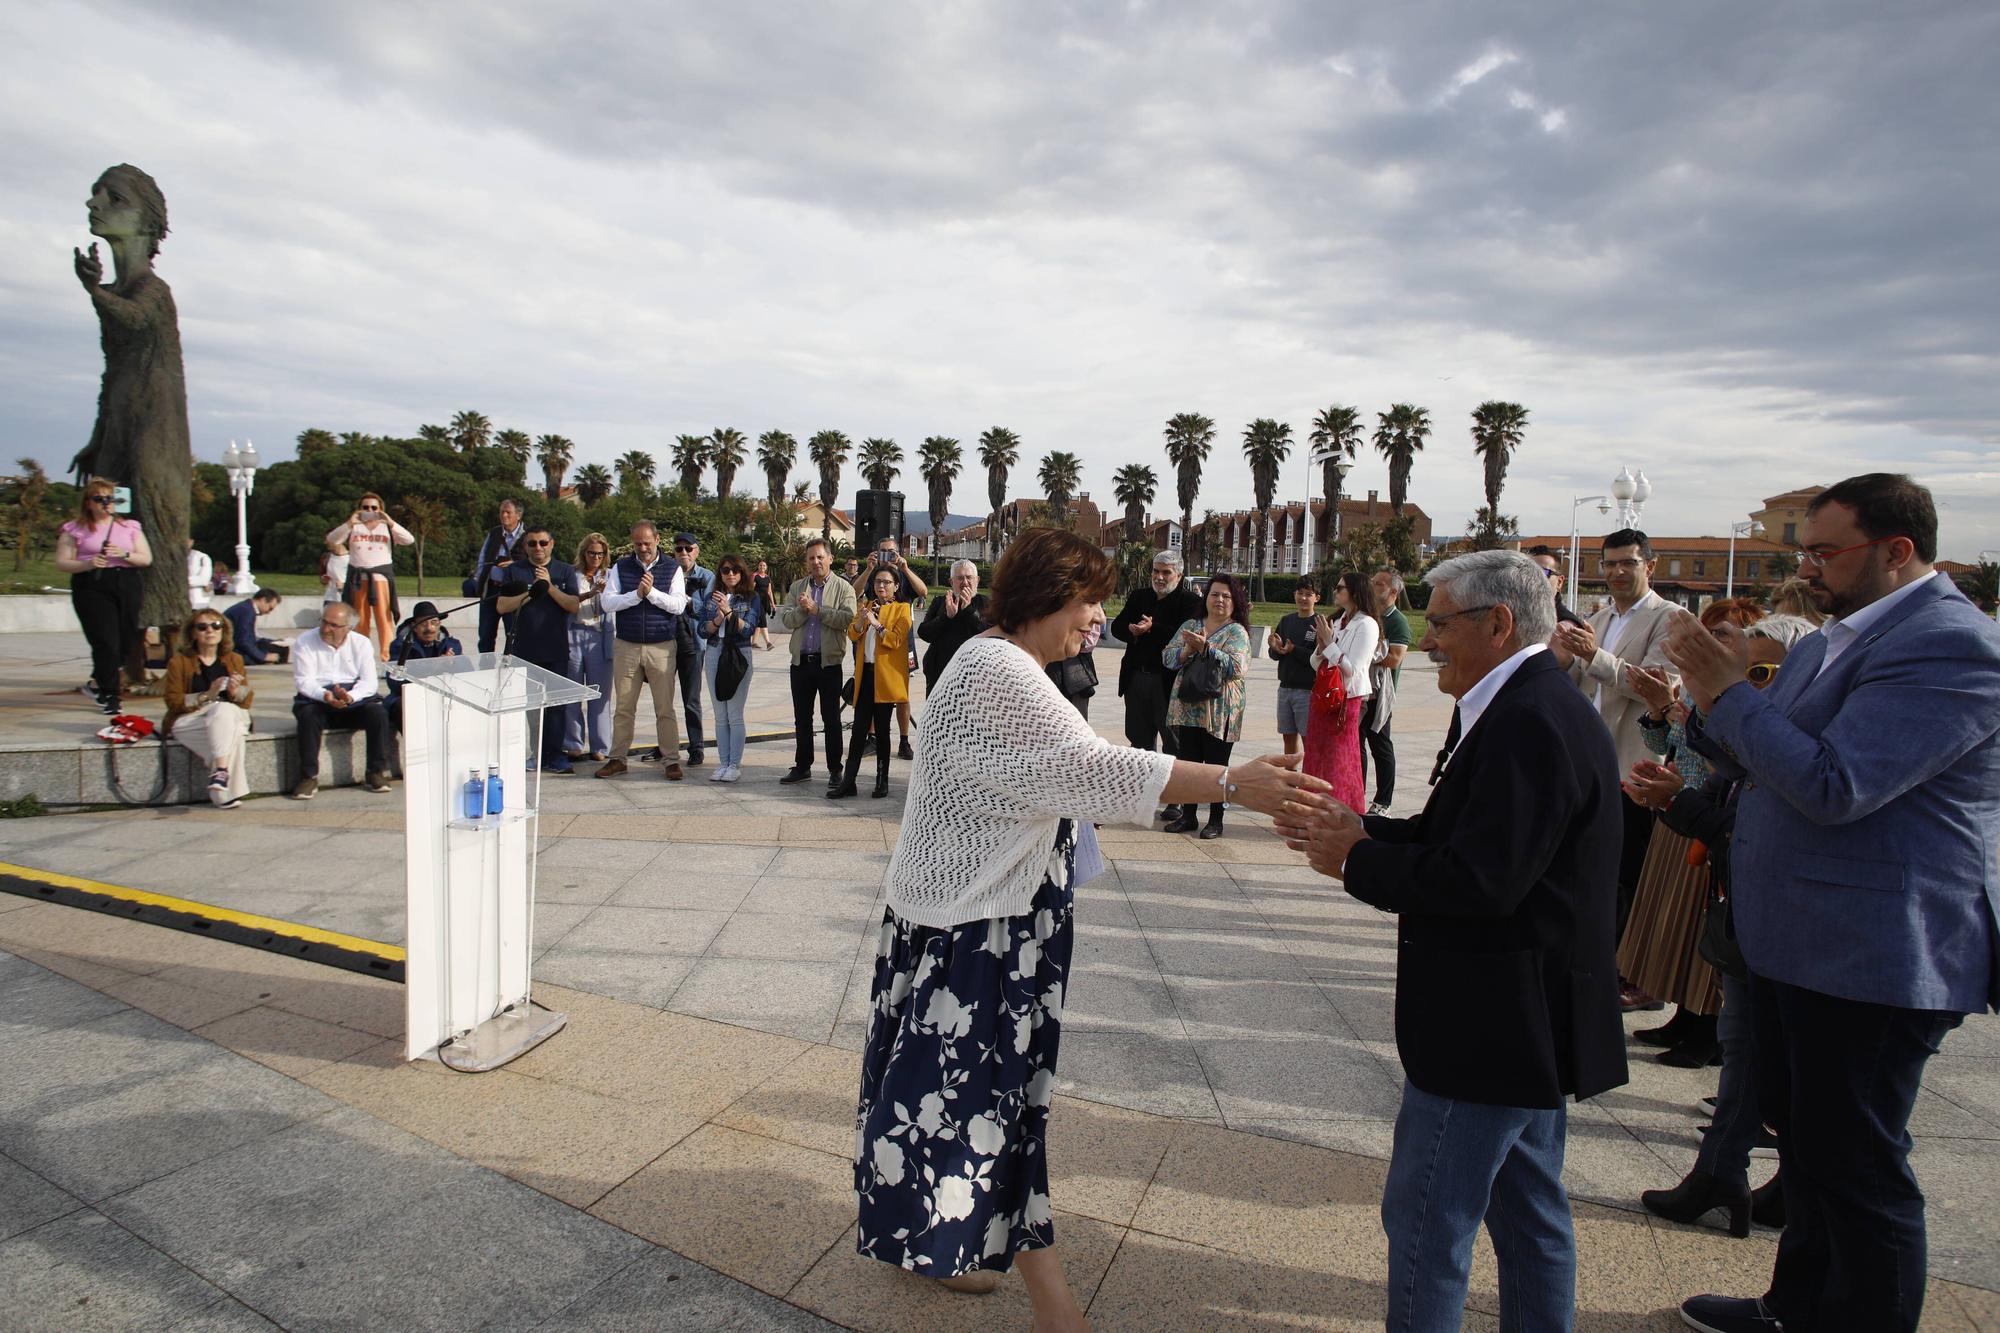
(1985, 556)
(1748, 528)
(242, 466)
(1603, 507)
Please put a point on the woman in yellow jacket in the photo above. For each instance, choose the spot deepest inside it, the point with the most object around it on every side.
(881, 634)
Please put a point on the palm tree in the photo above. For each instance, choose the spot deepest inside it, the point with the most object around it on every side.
(435, 434)
(1190, 436)
(939, 459)
(429, 520)
(776, 452)
(828, 451)
(1134, 485)
(1266, 445)
(1497, 428)
(554, 453)
(1337, 433)
(726, 451)
(690, 456)
(315, 441)
(517, 444)
(593, 483)
(1059, 474)
(999, 450)
(879, 460)
(350, 438)
(1400, 435)
(471, 430)
(635, 471)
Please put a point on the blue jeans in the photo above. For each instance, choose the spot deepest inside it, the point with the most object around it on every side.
(590, 663)
(1725, 1149)
(729, 712)
(1455, 1163)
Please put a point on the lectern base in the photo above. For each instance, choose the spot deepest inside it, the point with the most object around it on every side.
(509, 1033)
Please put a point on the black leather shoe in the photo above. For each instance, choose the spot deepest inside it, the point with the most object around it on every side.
(1666, 1034)
(1184, 822)
(840, 790)
(1728, 1314)
(796, 775)
(881, 787)
(1767, 1203)
(1698, 1194)
(904, 751)
(1695, 1054)
(1212, 829)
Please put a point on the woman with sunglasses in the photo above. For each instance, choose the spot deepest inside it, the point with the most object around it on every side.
(208, 705)
(371, 537)
(590, 644)
(103, 554)
(729, 623)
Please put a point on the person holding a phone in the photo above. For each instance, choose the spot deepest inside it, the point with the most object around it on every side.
(208, 705)
(103, 551)
(537, 594)
(909, 588)
(371, 537)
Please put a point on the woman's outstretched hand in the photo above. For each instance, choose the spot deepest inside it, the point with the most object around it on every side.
(1268, 783)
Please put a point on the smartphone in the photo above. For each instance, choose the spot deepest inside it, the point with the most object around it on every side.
(121, 499)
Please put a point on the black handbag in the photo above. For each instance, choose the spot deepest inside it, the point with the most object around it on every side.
(730, 669)
(1201, 679)
(1718, 939)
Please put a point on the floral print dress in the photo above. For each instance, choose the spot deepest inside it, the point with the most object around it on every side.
(1222, 716)
(951, 1160)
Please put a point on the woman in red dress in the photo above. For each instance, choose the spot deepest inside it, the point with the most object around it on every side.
(1354, 643)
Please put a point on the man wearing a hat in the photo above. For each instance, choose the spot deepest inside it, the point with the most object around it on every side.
(423, 636)
(693, 645)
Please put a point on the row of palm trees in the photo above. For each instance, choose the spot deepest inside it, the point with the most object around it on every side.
(1336, 437)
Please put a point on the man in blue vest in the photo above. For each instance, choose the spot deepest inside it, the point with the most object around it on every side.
(688, 663)
(496, 555)
(645, 597)
(538, 594)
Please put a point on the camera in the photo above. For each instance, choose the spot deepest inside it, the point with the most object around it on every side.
(121, 499)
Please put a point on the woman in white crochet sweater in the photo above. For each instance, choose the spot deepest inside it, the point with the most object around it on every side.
(950, 1161)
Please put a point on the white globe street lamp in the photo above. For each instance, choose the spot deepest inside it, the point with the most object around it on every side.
(242, 467)
(1603, 507)
(1747, 528)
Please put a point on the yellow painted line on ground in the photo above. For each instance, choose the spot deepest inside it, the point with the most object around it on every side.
(247, 920)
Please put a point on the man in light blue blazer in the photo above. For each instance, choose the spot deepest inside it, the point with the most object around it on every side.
(1866, 891)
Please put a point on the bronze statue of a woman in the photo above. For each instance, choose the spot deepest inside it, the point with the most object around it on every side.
(141, 438)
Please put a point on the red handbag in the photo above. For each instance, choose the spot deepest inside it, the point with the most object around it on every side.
(1329, 690)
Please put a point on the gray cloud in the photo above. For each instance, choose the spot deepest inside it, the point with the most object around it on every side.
(1710, 235)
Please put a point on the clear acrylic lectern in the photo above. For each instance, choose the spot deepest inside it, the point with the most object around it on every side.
(469, 847)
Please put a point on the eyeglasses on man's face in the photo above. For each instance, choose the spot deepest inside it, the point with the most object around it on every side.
(678, 549)
(1439, 622)
(539, 546)
(1761, 673)
(1810, 555)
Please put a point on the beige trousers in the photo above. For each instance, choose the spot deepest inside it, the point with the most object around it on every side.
(633, 665)
(217, 733)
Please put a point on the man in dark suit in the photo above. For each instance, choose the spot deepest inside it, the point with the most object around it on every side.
(957, 613)
(496, 556)
(1146, 626)
(1867, 902)
(1506, 975)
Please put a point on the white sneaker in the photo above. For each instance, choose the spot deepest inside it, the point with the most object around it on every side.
(720, 774)
(731, 772)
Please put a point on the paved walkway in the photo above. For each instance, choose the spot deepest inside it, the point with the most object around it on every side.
(1229, 1069)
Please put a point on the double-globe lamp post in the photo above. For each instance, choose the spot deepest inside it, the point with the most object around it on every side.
(1629, 492)
(242, 466)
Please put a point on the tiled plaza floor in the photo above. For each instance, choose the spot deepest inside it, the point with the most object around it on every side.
(1228, 1060)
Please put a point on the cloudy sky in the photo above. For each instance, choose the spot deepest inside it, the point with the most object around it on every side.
(1745, 247)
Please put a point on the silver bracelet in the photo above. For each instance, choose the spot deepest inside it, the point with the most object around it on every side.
(1228, 787)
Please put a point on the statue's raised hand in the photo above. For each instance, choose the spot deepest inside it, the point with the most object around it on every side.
(89, 268)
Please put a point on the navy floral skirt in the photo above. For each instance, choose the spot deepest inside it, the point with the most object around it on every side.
(950, 1156)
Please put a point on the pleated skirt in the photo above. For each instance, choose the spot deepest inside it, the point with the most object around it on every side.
(1658, 953)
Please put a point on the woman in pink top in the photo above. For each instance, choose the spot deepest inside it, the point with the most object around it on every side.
(371, 537)
(103, 553)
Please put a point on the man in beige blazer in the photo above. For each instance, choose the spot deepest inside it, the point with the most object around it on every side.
(1632, 631)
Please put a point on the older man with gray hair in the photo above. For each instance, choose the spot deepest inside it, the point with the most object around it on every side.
(1151, 618)
(1506, 980)
(955, 615)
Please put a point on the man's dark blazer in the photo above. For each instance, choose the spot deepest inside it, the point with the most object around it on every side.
(946, 634)
(1143, 652)
(1506, 885)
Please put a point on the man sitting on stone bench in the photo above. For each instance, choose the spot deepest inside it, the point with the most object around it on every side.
(242, 618)
(333, 672)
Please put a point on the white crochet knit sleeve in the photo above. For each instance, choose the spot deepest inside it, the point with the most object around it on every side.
(1014, 734)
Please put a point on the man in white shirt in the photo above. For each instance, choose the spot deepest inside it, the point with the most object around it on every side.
(1631, 631)
(645, 599)
(334, 684)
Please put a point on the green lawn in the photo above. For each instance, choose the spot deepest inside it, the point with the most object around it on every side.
(41, 576)
(1268, 614)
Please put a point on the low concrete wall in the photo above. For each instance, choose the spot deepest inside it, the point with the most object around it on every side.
(91, 774)
(52, 614)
